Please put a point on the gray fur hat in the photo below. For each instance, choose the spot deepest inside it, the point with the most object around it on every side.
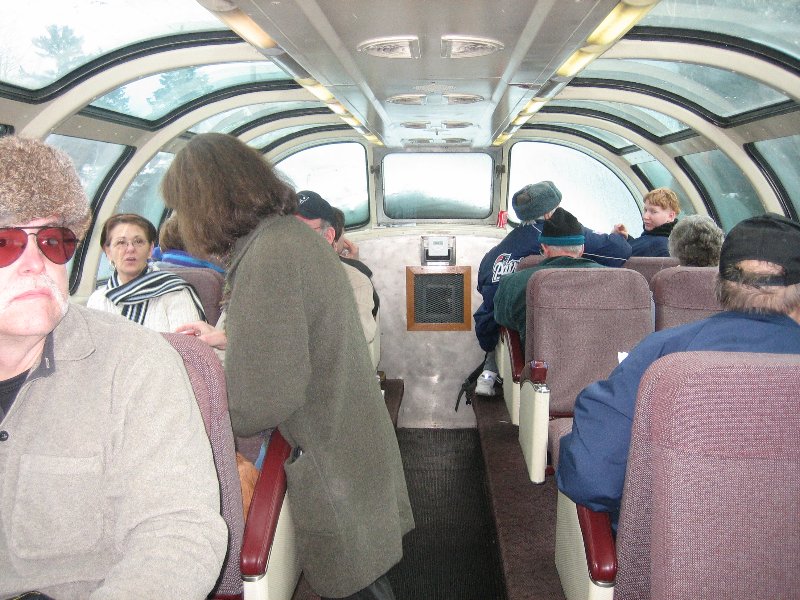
(39, 181)
(535, 200)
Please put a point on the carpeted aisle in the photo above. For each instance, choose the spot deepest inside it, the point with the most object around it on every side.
(452, 554)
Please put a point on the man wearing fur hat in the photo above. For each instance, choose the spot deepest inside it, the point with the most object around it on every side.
(533, 204)
(562, 242)
(108, 486)
(758, 286)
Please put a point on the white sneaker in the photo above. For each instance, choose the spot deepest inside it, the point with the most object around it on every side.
(485, 384)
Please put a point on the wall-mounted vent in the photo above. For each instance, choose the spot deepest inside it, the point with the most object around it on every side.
(438, 298)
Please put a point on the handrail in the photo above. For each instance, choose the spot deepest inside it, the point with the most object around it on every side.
(515, 351)
(598, 540)
(265, 508)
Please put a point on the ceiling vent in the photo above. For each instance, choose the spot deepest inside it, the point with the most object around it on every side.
(462, 98)
(455, 141)
(416, 124)
(391, 47)
(434, 88)
(456, 124)
(456, 46)
(407, 99)
(417, 141)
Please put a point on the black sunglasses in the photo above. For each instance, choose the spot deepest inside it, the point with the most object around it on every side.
(56, 243)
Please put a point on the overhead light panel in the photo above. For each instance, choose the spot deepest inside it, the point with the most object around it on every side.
(456, 124)
(391, 47)
(619, 21)
(416, 124)
(462, 98)
(241, 23)
(457, 46)
(407, 99)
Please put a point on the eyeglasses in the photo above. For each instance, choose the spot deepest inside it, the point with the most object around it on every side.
(56, 243)
(121, 243)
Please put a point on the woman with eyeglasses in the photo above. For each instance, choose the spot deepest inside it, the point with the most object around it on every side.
(156, 299)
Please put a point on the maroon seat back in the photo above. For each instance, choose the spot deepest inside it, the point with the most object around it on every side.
(711, 497)
(208, 382)
(578, 320)
(206, 282)
(684, 294)
(650, 265)
(530, 261)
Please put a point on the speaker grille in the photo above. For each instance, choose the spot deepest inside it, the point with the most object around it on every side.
(438, 300)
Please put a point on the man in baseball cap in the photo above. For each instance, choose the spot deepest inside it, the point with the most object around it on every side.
(759, 288)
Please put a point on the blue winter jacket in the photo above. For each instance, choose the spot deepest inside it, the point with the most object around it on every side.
(611, 250)
(652, 243)
(593, 458)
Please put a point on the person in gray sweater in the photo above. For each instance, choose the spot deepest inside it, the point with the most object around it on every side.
(296, 359)
(107, 484)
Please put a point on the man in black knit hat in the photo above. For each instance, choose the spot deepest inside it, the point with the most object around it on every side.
(562, 242)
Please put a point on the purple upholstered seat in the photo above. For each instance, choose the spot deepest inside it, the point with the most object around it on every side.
(650, 265)
(712, 491)
(578, 320)
(684, 294)
(208, 382)
(206, 282)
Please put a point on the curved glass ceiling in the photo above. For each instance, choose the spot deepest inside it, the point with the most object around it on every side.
(155, 96)
(265, 140)
(772, 23)
(36, 51)
(657, 123)
(720, 92)
(612, 139)
(232, 119)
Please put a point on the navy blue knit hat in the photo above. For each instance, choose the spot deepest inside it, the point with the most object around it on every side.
(562, 229)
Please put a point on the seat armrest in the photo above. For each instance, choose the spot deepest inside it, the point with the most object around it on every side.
(262, 520)
(515, 350)
(598, 541)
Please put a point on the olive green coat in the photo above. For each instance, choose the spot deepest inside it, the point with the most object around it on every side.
(297, 359)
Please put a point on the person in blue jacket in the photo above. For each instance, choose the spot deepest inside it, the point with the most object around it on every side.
(759, 288)
(533, 204)
(661, 207)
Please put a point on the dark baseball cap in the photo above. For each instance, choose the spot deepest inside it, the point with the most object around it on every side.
(771, 238)
(313, 206)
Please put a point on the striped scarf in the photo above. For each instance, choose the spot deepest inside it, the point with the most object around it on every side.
(135, 296)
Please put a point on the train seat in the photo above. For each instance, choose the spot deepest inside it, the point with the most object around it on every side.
(268, 533)
(510, 361)
(578, 321)
(684, 294)
(650, 265)
(206, 282)
(730, 528)
(530, 261)
(510, 354)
